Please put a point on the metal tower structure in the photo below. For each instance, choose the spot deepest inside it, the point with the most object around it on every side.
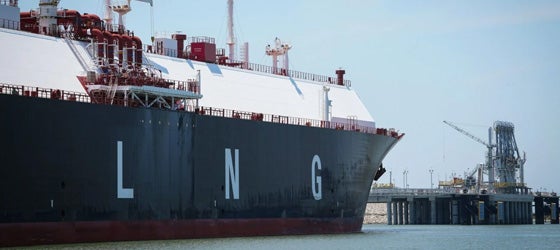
(508, 160)
(505, 161)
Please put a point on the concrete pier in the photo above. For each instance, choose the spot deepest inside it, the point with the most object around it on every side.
(436, 206)
(546, 206)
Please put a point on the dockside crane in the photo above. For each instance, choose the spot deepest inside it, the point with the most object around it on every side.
(489, 155)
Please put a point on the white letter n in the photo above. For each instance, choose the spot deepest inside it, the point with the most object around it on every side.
(232, 174)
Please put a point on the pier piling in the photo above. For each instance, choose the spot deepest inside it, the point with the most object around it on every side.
(434, 206)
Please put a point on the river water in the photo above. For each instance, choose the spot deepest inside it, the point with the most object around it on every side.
(450, 237)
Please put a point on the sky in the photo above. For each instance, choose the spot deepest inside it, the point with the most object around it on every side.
(413, 64)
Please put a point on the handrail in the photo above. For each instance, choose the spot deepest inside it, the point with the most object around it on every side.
(13, 3)
(137, 78)
(9, 24)
(291, 73)
(257, 67)
(43, 93)
(295, 121)
(219, 112)
(409, 191)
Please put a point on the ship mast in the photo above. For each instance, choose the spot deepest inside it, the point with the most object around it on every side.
(122, 9)
(108, 16)
(231, 36)
(279, 49)
(47, 16)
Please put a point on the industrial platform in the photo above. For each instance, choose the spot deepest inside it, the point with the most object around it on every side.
(440, 206)
(492, 193)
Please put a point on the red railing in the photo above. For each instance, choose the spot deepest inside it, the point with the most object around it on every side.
(257, 67)
(219, 112)
(292, 73)
(44, 93)
(292, 121)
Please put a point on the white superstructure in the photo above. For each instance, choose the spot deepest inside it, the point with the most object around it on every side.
(39, 60)
(246, 90)
(52, 59)
(49, 62)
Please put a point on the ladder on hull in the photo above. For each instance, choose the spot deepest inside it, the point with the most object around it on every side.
(113, 89)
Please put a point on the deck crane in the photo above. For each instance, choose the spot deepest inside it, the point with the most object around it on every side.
(489, 155)
(122, 7)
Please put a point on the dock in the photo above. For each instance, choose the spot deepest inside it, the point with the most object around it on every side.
(494, 192)
(441, 206)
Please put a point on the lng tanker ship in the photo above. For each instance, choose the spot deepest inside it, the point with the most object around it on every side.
(107, 138)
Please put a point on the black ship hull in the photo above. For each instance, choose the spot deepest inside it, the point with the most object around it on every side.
(80, 172)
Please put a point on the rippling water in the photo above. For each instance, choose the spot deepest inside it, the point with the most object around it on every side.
(373, 237)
